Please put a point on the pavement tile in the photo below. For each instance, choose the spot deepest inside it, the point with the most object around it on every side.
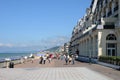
(58, 70)
(61, 73)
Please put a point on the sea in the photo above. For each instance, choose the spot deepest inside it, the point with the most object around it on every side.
(12, 55)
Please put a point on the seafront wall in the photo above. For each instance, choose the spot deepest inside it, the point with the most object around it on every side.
(5, 64)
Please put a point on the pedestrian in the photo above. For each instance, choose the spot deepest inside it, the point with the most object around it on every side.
(25, 59)
(41, 59)
(11, 64)
(73, 59)
(32, 58)
(70, 59)
(47, 56)
(49, 59)
(44, 59)
(22, 59)
(66, 59)
(61, 57)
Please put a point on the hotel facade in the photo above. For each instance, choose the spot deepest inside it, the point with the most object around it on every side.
(98, 32)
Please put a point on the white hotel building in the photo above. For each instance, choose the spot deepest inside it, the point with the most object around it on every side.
(98, 32)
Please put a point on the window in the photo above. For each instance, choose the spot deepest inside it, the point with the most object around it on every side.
(111, 37)
(111, 45)
(111, 49)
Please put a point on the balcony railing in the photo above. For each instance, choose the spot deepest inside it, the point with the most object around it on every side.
(99, 21)
(108, 20)
(104, 16)
(116, 8)
(109, 13)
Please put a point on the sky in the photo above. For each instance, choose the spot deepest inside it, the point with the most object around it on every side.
(33, 25)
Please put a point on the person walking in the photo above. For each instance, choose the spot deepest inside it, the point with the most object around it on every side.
(61, 57)
(66, 59)
(73, 59)
(32, 58)
(44, 59)
(49, 59)
(41, 59)
(70, 60)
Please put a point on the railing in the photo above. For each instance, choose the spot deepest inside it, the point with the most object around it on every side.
(104, 16)
(109, 13)
(116, 8)
(5, 64)
(99, 21)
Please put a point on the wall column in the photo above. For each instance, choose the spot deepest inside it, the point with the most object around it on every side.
(99, 43)
(85, 47)
(90, 45)
(94, 46)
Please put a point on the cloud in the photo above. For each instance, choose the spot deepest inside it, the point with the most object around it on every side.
(56, 41)
(22, 45)
(35, 46)
(9, 45)
(6, 45)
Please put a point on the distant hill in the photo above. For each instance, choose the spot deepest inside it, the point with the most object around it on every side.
(54, 49)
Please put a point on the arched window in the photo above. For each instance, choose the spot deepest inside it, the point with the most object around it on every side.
(111, 37)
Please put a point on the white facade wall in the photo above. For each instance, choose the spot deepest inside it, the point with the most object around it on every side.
(95, 26)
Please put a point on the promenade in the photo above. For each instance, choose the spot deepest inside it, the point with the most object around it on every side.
(58, 70)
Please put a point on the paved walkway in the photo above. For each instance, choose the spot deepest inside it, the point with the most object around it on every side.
(58, 70)
(61, 73)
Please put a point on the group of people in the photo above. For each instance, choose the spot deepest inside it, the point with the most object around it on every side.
(70, 59)
(24, 59)
(46, 57)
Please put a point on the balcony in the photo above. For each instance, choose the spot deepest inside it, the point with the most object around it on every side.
(104, 16)
(117, 24)
(108, 21)
(99, 21)
(109, 13)
(116, 8)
